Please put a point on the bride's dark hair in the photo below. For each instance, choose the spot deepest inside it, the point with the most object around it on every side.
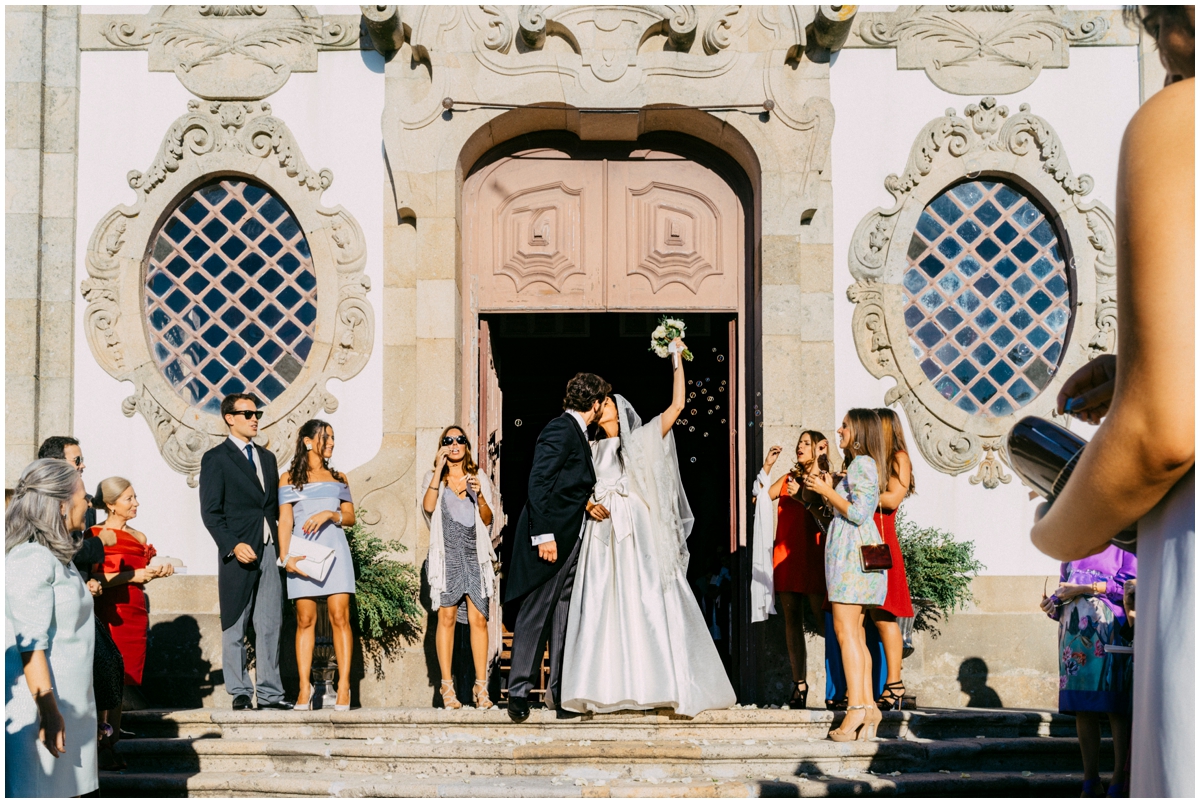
(602, 435)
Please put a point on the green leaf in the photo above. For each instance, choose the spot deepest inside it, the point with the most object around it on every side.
(939, 570)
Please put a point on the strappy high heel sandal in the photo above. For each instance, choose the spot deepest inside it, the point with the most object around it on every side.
(841, 735)
(482, 700)
(890, 698)
(449, 698)
(870, 725)
(799, 695)
(836, 705)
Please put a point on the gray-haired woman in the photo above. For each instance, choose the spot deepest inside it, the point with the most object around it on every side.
(50, 713)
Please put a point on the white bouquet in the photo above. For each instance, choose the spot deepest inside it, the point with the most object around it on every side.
(662, 337)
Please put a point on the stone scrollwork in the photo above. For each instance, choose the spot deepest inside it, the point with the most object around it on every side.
(988, 143)
(216, 138)
(970, 50)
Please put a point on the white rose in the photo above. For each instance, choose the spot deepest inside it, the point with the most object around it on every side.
(661, 351)
(659, 333)
(678, 324)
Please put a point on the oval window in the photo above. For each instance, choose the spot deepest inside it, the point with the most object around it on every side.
(231, 296)
(987, 297)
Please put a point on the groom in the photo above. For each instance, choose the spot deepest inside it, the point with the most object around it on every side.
(546, 545)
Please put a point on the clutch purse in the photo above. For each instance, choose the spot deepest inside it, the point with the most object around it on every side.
(877, 557)
(318, 558)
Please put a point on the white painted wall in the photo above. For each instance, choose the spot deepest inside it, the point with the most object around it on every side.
(124, 112)
(880, 111)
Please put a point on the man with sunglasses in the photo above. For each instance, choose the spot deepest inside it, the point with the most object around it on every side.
(91, 550)
(239, 502)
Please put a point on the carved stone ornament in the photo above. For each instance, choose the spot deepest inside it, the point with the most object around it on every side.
(973, 50)
(216, 139)
(988, 143)
(225, 52)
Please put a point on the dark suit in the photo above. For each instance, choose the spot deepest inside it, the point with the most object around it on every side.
(234, 506)
(560, 481)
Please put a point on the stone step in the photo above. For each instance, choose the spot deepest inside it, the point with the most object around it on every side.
(273, 784)
(415, 723)
(601, 759)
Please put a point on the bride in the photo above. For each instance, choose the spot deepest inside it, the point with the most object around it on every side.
(636, 638)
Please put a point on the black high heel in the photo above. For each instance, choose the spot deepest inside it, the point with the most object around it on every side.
(799, 696)
(836, 705)
(890, 698)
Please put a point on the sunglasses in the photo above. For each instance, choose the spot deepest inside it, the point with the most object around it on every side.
(255, 414)
(461, 440)
(78, 461)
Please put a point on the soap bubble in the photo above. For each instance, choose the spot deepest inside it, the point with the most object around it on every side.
(722, 388)
(693, 412)
(714, 349)
(691, 429)
(720, 358)
(517, 423)
(758, 412)
(722, 420)
(710, 412)
(693, 460)
(710, 398)
(706, 434)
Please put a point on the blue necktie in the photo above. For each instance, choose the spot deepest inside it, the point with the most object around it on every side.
(250, 453)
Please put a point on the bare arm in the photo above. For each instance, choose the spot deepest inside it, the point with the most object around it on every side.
(678, 393)
(1147, 441)
(898, 484)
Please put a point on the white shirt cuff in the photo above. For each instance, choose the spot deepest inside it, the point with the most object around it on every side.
(544, 538)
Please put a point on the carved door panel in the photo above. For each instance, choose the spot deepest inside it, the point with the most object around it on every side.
(531, 230)
(675, 232)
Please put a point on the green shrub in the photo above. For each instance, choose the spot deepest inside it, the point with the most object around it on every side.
(939, 571)
(387, 594)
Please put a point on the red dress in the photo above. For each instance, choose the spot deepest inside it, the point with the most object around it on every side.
(799, 555)
(123, 607)
(899, 601)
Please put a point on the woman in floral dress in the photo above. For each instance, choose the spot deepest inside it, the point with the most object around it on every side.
(851, 589)
(1088, 606)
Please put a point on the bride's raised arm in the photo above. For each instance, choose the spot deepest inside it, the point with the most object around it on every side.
(679, 393)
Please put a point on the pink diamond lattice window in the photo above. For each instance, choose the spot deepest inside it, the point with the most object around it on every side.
(230, 294)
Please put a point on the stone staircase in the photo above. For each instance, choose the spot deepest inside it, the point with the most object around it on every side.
(467, 753)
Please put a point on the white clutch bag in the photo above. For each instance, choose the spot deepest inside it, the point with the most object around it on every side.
(317, 558)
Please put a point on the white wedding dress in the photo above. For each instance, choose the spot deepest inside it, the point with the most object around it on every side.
(636, 638)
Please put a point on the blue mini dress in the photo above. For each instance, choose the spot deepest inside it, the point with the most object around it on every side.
(313, 498)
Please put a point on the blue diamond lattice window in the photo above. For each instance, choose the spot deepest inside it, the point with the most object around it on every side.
(231, 296)
(987, 297)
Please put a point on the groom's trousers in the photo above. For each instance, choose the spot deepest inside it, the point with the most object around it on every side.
(543, 609)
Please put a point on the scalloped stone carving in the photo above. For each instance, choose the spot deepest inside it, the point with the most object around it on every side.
(676, 237)
(538, 236)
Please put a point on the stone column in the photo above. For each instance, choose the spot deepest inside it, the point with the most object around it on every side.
(41, 115)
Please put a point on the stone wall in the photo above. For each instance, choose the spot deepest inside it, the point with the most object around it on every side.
(1001, 651)
(41, 112)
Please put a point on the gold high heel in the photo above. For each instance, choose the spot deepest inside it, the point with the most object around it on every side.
(482, 700)
(449, 698)
(840, 735)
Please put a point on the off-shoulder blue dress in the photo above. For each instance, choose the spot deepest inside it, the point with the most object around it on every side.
(313, 498)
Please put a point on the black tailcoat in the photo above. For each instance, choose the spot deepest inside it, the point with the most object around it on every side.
(234, 505)
(560, 481)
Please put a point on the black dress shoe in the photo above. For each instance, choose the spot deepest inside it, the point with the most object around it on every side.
(518, 709)
(241, 702)
(280, 705)
(562, 713)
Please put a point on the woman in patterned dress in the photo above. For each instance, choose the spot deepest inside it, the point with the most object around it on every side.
(457, 505)
(315, 505)
(852, 590)
(899, 602)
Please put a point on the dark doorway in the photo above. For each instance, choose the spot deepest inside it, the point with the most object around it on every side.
(535, 354)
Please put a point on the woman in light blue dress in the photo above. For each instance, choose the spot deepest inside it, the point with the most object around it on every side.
(852, 590)
(49, 709)
(315, 506)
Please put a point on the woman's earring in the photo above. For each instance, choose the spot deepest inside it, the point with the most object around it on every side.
(857, 445)
(308, 447)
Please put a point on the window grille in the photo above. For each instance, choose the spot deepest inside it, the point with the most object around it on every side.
(230, 294)
(987, 297)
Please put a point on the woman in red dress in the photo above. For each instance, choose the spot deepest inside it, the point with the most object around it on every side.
(799, 558)
(126, 568)
(899, 602)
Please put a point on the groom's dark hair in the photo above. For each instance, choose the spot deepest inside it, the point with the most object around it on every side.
(583, 391)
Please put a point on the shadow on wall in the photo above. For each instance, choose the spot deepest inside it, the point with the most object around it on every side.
(177, 674)
(972, 679)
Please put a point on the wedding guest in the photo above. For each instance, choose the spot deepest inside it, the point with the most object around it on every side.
(851, 589)
(1140, 465)
(123, 571)
(64, 447)
(799, 555)
(49, 749)
(315, 505)
(457, 504)
(1089, 607)
(898, 604)
(239, 503)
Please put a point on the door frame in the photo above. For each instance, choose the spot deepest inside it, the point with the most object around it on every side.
(747, 357)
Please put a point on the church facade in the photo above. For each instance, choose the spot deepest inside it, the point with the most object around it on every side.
(398, 218)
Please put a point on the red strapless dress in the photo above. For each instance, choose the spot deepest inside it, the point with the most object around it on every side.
(799, 555)
(123, 607)
(899, 601)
